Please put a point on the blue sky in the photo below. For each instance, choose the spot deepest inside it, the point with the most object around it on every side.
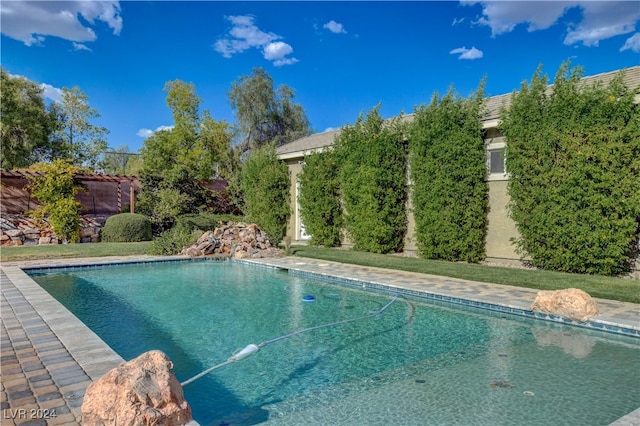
(341, 58)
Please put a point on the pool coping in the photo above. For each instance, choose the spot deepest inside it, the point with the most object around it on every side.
(458, 292)
(95, 357)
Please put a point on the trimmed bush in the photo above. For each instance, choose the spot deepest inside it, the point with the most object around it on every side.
(319, 199)
(574, 155)
(265, 182)
(448, 171)
(373, 166)
(126, 228)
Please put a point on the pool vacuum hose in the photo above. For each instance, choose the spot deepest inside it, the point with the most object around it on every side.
(252, 348)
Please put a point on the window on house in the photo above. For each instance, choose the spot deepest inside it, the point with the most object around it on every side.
(496, 161)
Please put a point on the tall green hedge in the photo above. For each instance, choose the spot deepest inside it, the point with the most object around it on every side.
(573, 154)
(265, 183)
(448, 171)
(319, 199)
(373, 159)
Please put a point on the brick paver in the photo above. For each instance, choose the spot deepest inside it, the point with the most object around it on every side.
(30, 395)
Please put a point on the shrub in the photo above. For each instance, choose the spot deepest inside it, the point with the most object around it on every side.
(574, 155)
(56, 190)
(162, 200)
(172, 241)
(373, 163)
(448, 171)
(265, 182)
(319, 199)
(126, 228)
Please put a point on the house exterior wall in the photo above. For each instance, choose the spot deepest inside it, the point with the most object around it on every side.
(293, 227)
(501, 229)
(410, 245)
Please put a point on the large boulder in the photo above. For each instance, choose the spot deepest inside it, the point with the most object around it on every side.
(143, 391)
(571, 303)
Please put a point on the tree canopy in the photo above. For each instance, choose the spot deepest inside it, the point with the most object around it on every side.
(26, 123)
(266, 114)
(196, 144)
(80, 142)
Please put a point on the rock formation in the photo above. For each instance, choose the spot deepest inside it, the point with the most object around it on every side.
(239, 240)
(18, 230)
(143, 391)
(571, 303)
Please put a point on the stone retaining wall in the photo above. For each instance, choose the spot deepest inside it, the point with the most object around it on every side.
(18, 230)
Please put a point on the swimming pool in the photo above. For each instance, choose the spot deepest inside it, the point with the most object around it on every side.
(416, 363)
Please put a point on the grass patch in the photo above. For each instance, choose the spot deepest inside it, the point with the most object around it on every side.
(22, 253)
(624, 290)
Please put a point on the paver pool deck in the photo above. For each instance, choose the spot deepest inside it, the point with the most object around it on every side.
(49, 357)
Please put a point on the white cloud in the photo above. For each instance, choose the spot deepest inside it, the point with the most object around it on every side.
(503, 16)
(284, 61)
(31, 22)
(48, 91)
(465, 53)
(632, 43)
(277, 52)
(599, 20)
(51, 92)
(244, 34)
(603, 20)
(80, 46)
(145, 133)
(334, 27)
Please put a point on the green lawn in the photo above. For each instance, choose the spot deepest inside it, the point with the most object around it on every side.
(626, 290)
(10, 254)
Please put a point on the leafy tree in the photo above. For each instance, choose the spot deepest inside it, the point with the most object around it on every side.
(373, 162)
(265, 114)
(194, 146)
(56, 190)
(265, 182)
(135, 165)
(573, 154)
(319, 199)
(163, 200)
(26, 123)
(81, 142)
(175, 159)
(118, 161)
(448, 171)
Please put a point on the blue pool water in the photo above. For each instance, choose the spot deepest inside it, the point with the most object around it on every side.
(415, 363)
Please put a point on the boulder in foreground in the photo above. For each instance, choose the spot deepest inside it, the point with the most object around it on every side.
(143, 391)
